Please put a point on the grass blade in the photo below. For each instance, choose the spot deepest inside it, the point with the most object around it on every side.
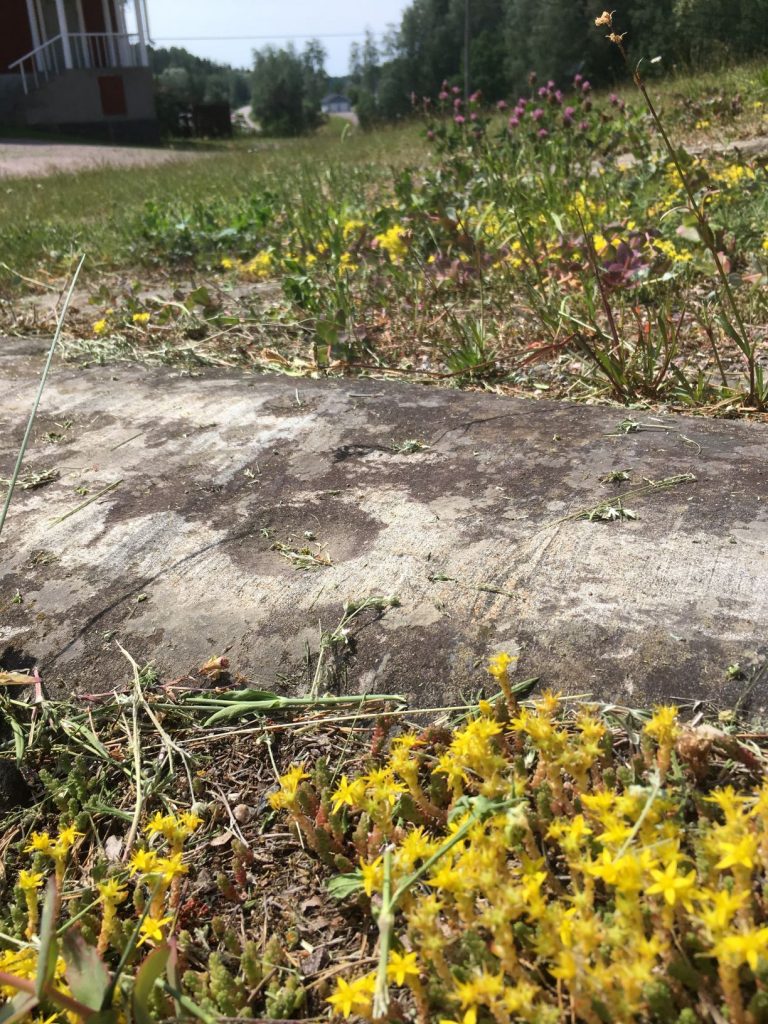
(39, 395)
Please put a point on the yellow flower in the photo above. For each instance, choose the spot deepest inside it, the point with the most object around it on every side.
(673, 886)
(39, 842)
(160, 824)
(717, 913)
(151, 930)
(190, 821)
(402, 967)
(373, 875)
(484, 988)
(346, 264)
(100, 326)
(737, 854)
(498, 664)
(259, 266)
(228, 263)
(729, 801)
(140, 318)
(470, 1017)
(111, 891)
(352, 227)
(29, 881)
(746, 946)
(143, 862)
(348, 794)
(289, 787)
(354, 997)
(171, 867)
(663, 725)
(392, 242)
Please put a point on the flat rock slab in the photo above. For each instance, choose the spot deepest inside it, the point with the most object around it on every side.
(220, 479)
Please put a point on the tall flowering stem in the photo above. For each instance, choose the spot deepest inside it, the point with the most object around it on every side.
(739, 332)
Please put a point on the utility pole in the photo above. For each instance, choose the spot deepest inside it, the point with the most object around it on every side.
(466, 50)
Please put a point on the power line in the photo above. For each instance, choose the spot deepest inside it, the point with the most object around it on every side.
(273, 35)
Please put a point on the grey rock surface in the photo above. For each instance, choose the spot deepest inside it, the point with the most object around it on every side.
(475, 532)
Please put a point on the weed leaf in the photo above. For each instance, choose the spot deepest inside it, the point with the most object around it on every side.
(154, 967)
(342, 886)
(87, 974)
(17, 1008)
(49, 947)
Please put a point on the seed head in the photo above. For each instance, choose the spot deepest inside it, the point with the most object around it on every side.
(606, 18)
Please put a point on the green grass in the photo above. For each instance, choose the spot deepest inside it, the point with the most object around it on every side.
(46, 221)
(504, 259)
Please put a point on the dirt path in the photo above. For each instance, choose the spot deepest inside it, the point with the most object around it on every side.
(30, 159)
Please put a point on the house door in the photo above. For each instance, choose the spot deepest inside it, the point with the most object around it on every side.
(101, 46)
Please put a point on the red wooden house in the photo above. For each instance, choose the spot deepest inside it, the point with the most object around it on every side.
(78, 66)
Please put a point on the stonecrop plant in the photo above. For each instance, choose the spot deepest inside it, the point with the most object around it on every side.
(544, 863)
(92, 964)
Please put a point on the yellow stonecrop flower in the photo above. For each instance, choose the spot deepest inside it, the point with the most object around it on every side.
(354, 997)
(100, 327)
(141, 318)
(30, 881)
(663, 725)
(289, 787)
(152, 929)
(352, 227)
(540, 865)
(402, 968)
(499, 664)
(669, 250)
(393, 243)
(259, 266)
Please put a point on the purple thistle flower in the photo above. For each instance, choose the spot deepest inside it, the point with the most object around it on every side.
(583, 126)
(585, 86)
(457, 103)
(613, 99)
(475, 97)
(543, 91)
(473, 116)
(537, 114)
(578, 79)
(444, 95)
(514, 122)
(455, 90)
(501, 105)
(459, 119)
(543, 133)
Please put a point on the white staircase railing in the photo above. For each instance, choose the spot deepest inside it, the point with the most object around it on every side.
(88, 50)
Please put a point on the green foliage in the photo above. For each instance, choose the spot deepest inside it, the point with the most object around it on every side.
(510, 38)
(287, 88)
(183, 80)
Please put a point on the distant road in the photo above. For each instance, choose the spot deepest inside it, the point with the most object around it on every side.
(245, 113)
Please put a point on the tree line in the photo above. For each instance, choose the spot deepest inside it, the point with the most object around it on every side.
(493, 45)
(487, 45)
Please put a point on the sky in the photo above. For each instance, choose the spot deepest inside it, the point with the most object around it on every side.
(173, 23)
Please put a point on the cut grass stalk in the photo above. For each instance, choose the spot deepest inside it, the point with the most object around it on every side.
(39, 395)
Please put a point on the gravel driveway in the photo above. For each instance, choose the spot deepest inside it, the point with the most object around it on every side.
(26, 159)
